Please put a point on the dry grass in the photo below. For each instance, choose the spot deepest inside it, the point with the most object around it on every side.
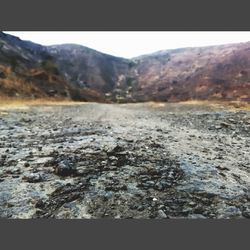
(230, 105)
(18, 103)
(157, 104)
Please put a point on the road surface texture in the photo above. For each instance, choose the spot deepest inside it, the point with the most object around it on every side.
(124, 161)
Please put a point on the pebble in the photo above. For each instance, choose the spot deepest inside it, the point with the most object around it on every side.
(32, 177)
(196, 216)
(161, 214)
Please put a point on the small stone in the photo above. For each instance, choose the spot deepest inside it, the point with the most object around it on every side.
(224, 124)
(159, 187)
(26, 120)
(116, 149)
(231, 120)
(246, 213)
(191, 203)
(161, 214)
(165, 184)
(124, 187)
(149, 183)
(39, 204)
(64, 168)
(229, 212)
(196, 216)
(26, 164)
(33, 177)
(10, 205)
(133, 206)
(222, 168)
(113, 158)
(140, 208)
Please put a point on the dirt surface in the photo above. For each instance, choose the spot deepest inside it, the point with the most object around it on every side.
(124, 161)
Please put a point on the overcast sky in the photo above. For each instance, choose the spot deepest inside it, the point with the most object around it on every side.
(132, 44)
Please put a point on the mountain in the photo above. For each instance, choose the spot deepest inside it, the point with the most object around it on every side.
(27, 70)
(86, 68)
(213, 72)
(71, 71)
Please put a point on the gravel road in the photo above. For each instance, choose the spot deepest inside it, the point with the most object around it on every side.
(124, 161)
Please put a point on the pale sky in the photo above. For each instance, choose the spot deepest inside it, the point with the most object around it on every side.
(131, 44)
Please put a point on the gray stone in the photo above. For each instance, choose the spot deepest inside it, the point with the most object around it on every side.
(161, 214)
(196, 216)
(33, 177)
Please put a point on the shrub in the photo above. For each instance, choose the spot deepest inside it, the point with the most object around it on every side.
(50, 67)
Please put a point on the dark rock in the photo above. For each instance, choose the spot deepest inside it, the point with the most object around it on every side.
(26, 164)
(116, 149)
(39, 204)
(110, 188)
(123, 187)
(133, 206)
(156, 145)
(246, 213)
(64, 168)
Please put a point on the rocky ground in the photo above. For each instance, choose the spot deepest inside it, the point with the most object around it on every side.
(124, 161)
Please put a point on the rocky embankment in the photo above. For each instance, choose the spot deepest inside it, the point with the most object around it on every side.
(124, 161)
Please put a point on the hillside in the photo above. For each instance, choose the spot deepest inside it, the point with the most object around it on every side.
(75, 72)
(214, 72)
(27, 70)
